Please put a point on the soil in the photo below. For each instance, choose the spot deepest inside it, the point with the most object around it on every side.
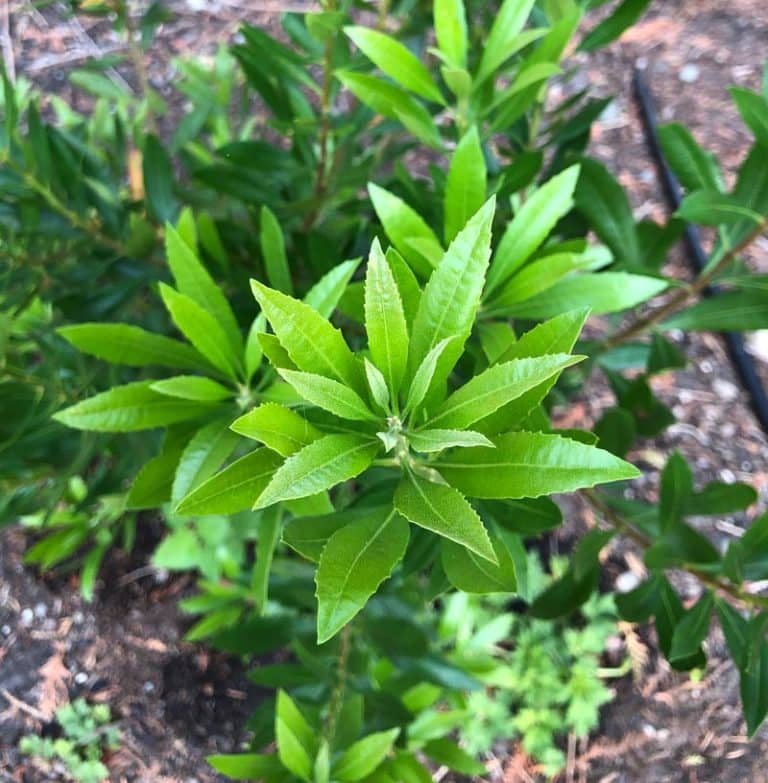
(175, 702)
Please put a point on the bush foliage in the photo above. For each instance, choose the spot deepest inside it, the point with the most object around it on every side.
(321, 324)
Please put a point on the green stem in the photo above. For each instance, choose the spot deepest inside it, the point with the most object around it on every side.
(625, 527)
(336, 701)
(139, 63)
(684, 295)
(326, 101)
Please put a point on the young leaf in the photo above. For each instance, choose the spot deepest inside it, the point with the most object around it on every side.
(601, 199)
(277, 427)
(676, 490)
(691, 631)
(542, 274)
(393, 102)
(202, 330)
(310, 340)
(530, 464)
(735, 311)
(450, 20)
(326, 292)
(710, 208)
(466, 183)
(132, 346)
(401, 224)
(319, 466)
(452, 295)
(385, 321)
(273, 252)
(193, 387)
(601, 292)
(157, 178)
(253, 350)
(507, 26)
(753, 108)
(309, 535)
(444, 511)
(614, 25)
(134, 406)
(270, 523)
(472, 574)
(362, 758)
(423, 376)
(355, 561)
(248, 766)
(202, 457)
(498, 385)
(192, 280)
(407, 284)
(329, 395)
(296, 740)
(152, 485)
(397, 61)
(431, 440)
(236, 488)
(378, 385)
(695, 168)
(531, 226)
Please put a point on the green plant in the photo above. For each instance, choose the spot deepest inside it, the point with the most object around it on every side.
(403, 414)
(542, 680)
(87, 732)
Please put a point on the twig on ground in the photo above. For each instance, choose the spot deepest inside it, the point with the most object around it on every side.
(23, 706)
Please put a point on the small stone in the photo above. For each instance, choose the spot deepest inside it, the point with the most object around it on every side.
(725, 390)
(149, 687)
(6, 630)
(706, 366)
(729, 429)
(81, 678)
(728, 476)
(41, 611)
(690, 73)
(78, 617)
(26, 617)
(627, 582)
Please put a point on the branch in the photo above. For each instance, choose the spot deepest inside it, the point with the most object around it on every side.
(625, 527)
(684, 295)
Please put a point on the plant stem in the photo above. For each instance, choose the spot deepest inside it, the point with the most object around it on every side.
(321, 172)
(139, 63)
(336, 701)
(89, 226)
(684, 295)
(625, 527)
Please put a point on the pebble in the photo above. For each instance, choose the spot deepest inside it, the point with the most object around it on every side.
(729, 429)
(706, 366)
(727, 391)
(627, 581)
(728, 476)
(26, 617)
(81, 678)
(6, 630)
(690, 73)
(78, 617)
(149, 687)
(41, 611)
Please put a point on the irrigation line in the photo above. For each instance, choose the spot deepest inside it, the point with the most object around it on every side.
(742, 362)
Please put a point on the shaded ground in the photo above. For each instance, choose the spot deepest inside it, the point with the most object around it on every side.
(175, 702)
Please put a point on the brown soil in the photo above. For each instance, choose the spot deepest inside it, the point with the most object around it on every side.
(176, 702)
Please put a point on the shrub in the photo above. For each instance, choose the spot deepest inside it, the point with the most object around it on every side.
(388, 422)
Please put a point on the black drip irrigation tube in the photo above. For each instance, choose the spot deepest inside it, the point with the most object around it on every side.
(742, 362)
